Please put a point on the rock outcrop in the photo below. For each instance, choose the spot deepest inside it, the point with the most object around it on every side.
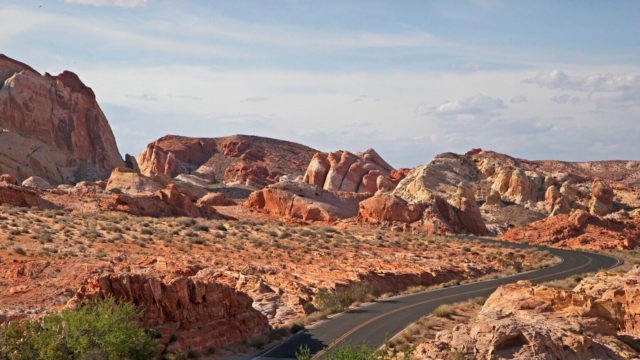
(189, 312)
(599, 319)
(555, 202)
(19, 196)
(215, 199)
(388, 208)
(601, 202)
(168, 202)
(128, 181)
(37, 182)
(240, 159)
(52, 127)
(439, 195)
(364, 172)
(514, 192)
(579, 230)
(304, 201)
(434, 215)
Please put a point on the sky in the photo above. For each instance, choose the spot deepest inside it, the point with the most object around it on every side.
(533, 79)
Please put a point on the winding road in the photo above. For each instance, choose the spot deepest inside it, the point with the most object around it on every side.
(375, 322)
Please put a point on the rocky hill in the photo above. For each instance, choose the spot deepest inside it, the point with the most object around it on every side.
(234, 160)
(52, 127)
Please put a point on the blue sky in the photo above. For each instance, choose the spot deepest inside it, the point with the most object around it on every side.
(535, 79)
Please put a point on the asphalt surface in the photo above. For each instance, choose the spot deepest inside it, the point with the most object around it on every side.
(376, 322)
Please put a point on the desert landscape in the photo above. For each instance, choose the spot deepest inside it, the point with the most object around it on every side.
(213, 238)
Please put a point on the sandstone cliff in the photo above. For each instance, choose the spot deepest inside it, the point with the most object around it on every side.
(52, 127)
(189, 312)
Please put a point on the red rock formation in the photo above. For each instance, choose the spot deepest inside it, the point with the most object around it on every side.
(249, 160)
(23, 197)
(601, 202)
(46, 114)
(167, 202)
(345, 171)
(304, 201)
(215, 199)
(435, 215)
(128, 181)
(189, 313)
(555, 202)
(388, 208)
(8, 179)
(599, 319)
(579, 230)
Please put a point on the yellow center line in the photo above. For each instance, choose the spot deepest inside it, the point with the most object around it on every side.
(348, 333)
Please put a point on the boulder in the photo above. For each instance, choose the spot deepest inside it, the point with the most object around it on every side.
(388, 208)
(22, 197)
(493, 200)
(129, 181)
(555, 202)
(601, 202)
(215, 199)
(37, 182)
(524, 187)
(304, 201)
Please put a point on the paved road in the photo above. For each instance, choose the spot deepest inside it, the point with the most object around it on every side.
(373, 323)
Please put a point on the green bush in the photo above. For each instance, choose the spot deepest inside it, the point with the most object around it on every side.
(100, 330)
(351, 352)
(340, 299)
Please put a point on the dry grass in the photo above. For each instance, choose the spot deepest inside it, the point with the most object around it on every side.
(80, 244)
(445, 317)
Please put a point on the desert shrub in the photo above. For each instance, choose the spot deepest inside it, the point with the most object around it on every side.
(201, 227)
(100, 330)
(342, 298)
(351, 352)
(303, 353)
(444, 311)
(187, 222)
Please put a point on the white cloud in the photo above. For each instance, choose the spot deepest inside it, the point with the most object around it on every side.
(558, 79)
(475, 105)
(565, 99)
(606, 90)
(518, 99)
(256, 99)
(118, 3)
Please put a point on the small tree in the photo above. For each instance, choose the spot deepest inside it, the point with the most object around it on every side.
(102, 329)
